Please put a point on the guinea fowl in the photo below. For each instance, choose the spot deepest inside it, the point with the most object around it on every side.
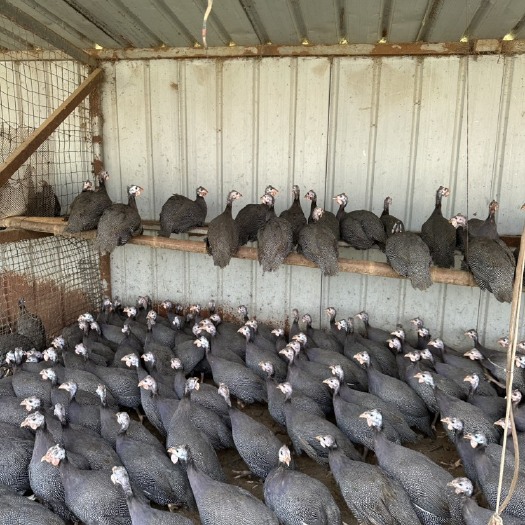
(349, 418)
(31, 326)
(254, 216)
(389, 221)
(409, 256)
(295, 215)
(15, 456)
(151, 470)
(439, 235)
(327, 218)
(220, 503)
(494, 407)
(321, 338)
(491, 263)
(319, 245)
(424, 481)
(15, 194)
(86, 415)
(303, 427)
(399, 394)
(372, 497)
(140, 511)
(256, 443)
(274, 241)
(222, 241)
(15, 509)
(88, 206)
(297, 498)
(89, 494)
(179, 214)
(44, 203)
(119, 222)
(359, 228)
(372, 332)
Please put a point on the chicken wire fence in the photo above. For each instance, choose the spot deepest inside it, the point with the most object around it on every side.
(58, 277)
(30, 90)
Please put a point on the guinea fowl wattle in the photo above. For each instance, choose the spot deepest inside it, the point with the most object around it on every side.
(179, 214)
(439, 235)
(222, 241)
(119, 223)
(88, 206)
(326, 218)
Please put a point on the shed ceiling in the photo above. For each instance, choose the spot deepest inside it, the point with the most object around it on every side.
(116, 24)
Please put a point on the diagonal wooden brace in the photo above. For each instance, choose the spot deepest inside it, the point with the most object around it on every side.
(30, 145)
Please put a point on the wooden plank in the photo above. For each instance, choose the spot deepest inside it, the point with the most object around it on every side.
(30, 145)
(15, 235)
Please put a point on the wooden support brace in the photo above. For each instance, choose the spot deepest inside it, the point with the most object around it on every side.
(30, 145)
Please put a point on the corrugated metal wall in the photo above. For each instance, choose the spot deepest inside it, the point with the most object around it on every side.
(368, 126)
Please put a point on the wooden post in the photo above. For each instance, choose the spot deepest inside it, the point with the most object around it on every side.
(29, 146)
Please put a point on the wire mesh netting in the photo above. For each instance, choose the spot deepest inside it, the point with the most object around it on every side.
(58, 277)
(30, 90)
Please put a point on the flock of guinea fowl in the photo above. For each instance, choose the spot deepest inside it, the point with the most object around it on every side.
(488, 257)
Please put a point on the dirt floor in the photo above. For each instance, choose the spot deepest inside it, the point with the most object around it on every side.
(440, 450)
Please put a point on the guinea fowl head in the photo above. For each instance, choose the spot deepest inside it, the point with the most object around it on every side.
(224, 392)
(502, 422)
(202, 342)
(131, 360)
(48, 374)
(399, 333)
(70, 387)
(493, 206)
(317, 214)
(331, 312)
(252, 323)
(342, 324)
(95, 327)
(341, 199)
(267, 367)
(31, 403)
(373, 418)
(516, 397)
(148, 383)
(54, 455)
(286, 389)
(179, 453)
(278, 332)
(285, 457)
(33, 356)
(245, 330)
(192, 383)
(413, 356)
(149, 357)
(123, 421)
(134, 190)
(81, 350)
(15, 356)
(474, 355)
(362, 358)
(453, 423)
(233, 196)
(519, 362)
(472, 333)
(387, 203)
(327, 441)
(59, 412)
(477, 439)
(443, 192)
(296, 191)
(167, 305)
(102, 393)
(119, 476)
(425, 378)
(295, 315)
(311, 195)
(130, 311)
(458, 221)
(426, 355)
(462, 486)
(201, 191)
(300, 338)
(288, 353)
(103, 176)
(337, 371)
(58, 342)
(87, 186)
(473, 380)
(86, 317)
(270, 190)
(436, 343)
(215, 319)
(363, 316)
(268, 199)
(33, 421)
(307, 320)
(333, 383)
(243, 310)
(152, 316)
(176, 363)
(504, 342)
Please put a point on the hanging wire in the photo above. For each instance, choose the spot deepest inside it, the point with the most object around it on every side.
(204, 22)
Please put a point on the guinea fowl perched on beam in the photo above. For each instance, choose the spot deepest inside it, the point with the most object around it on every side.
(275, 240)
(88, 206)
(44, 203)
(409, 256)
(222, 241)
(120, 222)
(253, 216)
(319, 245)
(327, 218)
(294, 214)
(491, 262)
(179, 214)
(359, 228)
(439, 235)
(389, 221)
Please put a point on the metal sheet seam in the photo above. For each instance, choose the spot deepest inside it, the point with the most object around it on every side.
(219, 153)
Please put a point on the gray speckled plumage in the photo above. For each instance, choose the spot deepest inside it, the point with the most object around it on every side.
(30, 326)
(319, 245)
(294, 214)
(274, 243)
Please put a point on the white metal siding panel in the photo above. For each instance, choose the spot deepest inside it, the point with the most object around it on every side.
(370, 127)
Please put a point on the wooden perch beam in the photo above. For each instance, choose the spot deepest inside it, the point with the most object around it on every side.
(30, 145)
(57, 225)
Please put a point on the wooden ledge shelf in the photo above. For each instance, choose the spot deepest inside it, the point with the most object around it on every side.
(57, 225)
